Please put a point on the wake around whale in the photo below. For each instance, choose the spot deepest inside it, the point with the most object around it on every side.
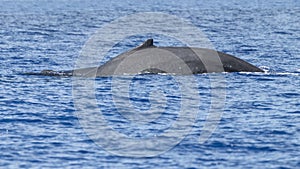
(150, 59)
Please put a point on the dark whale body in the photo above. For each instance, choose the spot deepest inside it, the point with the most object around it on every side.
(148, 58)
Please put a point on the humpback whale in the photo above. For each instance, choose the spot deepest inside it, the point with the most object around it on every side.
(150, 59)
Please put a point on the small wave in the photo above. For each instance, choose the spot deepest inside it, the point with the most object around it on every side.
(283, 33)
(266, 69)
(271, 73)
(289, 73)
(283, 73)
(253, 73)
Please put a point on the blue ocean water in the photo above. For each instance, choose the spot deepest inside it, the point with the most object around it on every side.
(260, 122)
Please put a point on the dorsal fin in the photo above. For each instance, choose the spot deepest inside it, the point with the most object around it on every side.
(146, 44)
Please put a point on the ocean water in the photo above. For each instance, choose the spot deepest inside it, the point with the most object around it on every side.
(41, 127)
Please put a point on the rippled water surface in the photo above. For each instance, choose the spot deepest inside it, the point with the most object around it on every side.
(260, 122)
